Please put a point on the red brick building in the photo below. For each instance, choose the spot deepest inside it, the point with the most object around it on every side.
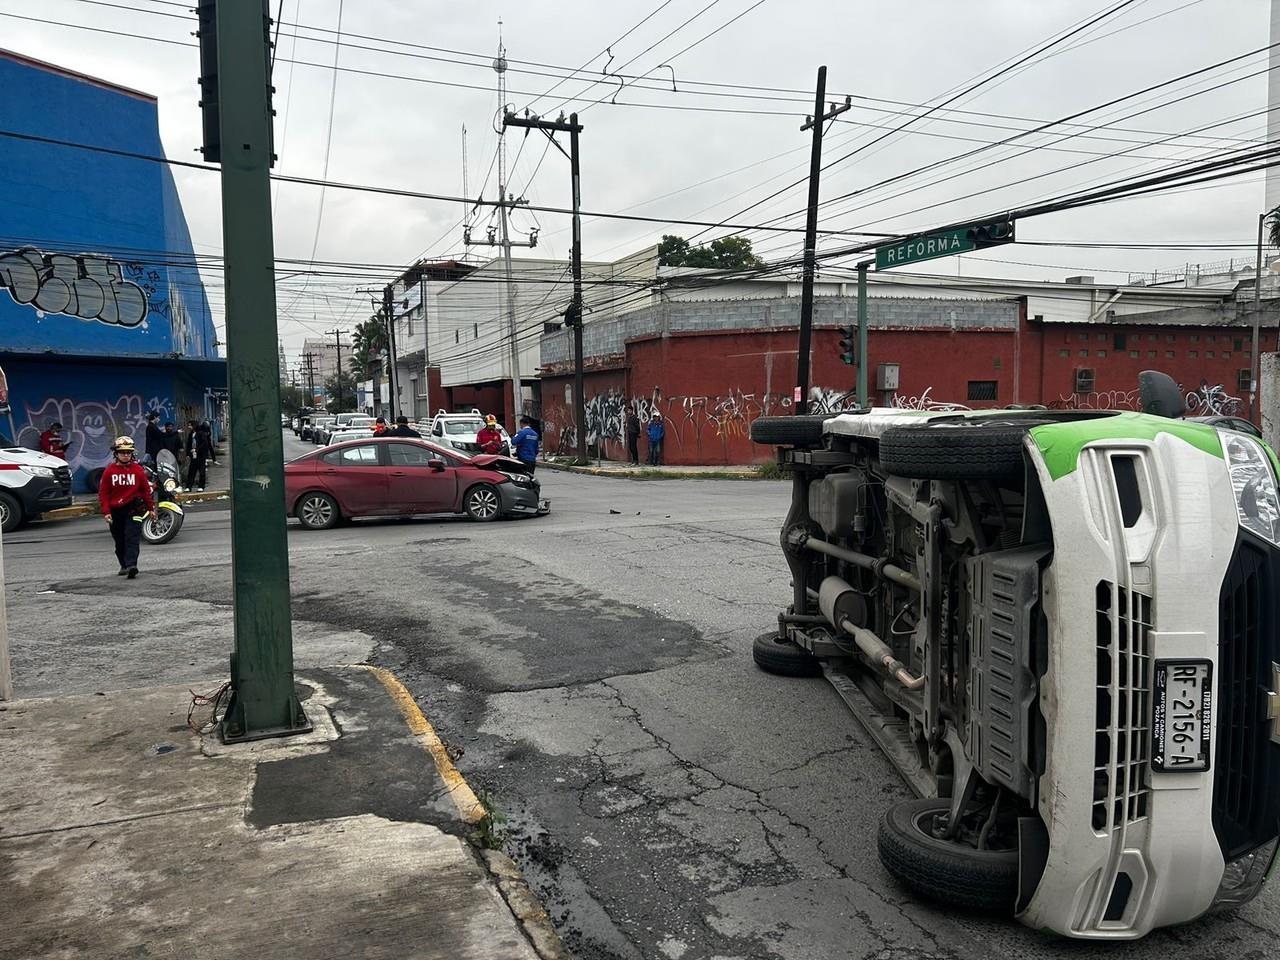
(1060, 345)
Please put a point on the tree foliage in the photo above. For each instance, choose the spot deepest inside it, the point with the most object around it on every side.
(291, 399)
(725, 253)
(367, 341)
(1273, 227)
(341, 390)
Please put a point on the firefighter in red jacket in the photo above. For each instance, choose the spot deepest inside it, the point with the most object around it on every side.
(489, 438)
(125, 496)
(51, 441)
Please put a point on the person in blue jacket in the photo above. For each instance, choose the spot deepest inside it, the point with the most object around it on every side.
(657, 431)
(525, 443)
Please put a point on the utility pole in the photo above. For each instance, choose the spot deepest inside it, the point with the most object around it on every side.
(816, 122)
(308, 360)
(1255, 367)
(337, 342)
(235, 43)
(505, 201)
(506, 243)
(862, 334)
(389, 318)
(426, 342)
(574, 315)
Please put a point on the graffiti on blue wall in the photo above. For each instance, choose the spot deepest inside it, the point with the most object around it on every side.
(85, 286)
(89, 426)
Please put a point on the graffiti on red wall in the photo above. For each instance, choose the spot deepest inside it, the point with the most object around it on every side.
(925, 402)
(700, 424)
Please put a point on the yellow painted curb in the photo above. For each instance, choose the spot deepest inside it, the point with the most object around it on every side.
(468, 804)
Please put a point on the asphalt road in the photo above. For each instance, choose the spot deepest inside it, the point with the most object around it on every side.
(666, 799)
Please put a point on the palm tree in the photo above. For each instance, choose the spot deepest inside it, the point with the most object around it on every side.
(1273, 227)
(367, 340)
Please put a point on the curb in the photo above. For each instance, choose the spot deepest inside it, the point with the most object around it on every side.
(726, 474)
(91, 509)
(520, 899)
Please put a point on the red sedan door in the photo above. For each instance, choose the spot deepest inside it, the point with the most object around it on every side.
(356, 478)
(414, 486)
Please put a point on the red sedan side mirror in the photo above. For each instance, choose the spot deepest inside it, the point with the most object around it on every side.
(436, 465)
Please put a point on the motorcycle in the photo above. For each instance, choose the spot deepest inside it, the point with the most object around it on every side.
(166, 523)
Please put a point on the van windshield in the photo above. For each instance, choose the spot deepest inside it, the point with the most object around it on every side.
(458, 427)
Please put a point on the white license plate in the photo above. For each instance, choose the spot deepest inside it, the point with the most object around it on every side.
(1180, 726)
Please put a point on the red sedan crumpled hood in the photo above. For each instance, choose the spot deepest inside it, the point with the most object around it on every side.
(493, 461)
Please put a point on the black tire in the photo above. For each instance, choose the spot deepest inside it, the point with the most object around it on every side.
(317, 511)
(805, 431)
(955, 451)
(483, 502)
(11, 515)
(93, 479)
(163, 529)
(941, 870)
(783, 658)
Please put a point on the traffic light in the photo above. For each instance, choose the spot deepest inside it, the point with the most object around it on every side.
(849, 344)
(991, 234)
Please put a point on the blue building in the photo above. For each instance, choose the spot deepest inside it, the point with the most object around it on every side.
(103, 315)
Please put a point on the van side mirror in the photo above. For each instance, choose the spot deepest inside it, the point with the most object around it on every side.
(1159, 395)
(437, 465)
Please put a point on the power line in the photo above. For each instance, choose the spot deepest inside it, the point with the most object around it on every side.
(607, 49)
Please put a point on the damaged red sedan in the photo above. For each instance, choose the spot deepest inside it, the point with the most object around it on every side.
(401, 477)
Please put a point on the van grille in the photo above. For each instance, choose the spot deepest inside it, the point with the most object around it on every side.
(1122, 733)
(1246, 785)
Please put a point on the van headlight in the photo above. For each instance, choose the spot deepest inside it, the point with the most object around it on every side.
(1243, 877)
(36, 471)
(1254, 484)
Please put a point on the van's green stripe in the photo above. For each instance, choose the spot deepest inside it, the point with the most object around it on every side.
(1060, 443)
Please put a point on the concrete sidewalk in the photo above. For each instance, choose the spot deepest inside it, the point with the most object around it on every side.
(126, 834)
(608, 468)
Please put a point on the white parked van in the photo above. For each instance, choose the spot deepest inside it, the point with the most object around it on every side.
(31, 483)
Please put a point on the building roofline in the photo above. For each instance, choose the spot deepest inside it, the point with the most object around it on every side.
(75, 75)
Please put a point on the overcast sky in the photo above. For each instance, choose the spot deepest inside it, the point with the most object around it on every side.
(639, 156)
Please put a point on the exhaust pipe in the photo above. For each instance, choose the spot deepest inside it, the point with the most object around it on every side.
(843, 606)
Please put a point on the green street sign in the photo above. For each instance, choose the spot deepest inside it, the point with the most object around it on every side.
(944, 243)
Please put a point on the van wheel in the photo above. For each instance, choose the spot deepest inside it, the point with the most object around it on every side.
(799, 431)
(10, 513)
(968, 450)
(776, 655)
(945, 871)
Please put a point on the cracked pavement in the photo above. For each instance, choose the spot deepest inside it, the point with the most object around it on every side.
(592, 673)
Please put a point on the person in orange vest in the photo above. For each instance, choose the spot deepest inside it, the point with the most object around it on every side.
(51, 441)
(125, 497)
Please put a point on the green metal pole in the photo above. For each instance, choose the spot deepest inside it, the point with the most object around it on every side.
(862, 335)
(263, 702)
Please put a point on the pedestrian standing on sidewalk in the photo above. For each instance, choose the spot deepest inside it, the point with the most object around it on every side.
(171, 440)
(402, 429)
(633, 436)
(199, 453)
(125, 498)
(525, 443)
(657, 432)
(155, 437)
